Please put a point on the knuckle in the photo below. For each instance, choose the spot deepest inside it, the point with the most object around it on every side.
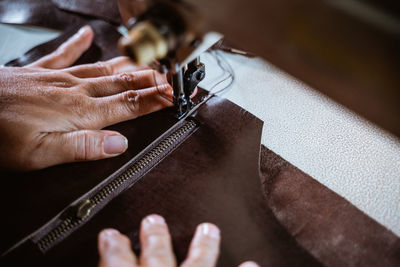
(79, 142)
(104, 68)
(64, 79)
(79, 105)
(93, 87)
(86, 147)
(84, 88)
(126, 79)
(133, 101)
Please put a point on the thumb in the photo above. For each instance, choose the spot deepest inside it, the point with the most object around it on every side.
(82, 145)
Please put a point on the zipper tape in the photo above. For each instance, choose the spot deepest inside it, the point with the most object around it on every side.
(83, 209)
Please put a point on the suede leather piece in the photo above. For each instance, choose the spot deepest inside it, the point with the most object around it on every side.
(325, 224)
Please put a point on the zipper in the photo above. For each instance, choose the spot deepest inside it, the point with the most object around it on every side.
(87, 206)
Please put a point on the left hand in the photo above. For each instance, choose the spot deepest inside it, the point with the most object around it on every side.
(51, 113)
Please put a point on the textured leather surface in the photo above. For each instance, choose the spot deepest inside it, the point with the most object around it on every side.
(38, 13)
(104, 45)
(213, 176)
(328, 226)
(106, 10)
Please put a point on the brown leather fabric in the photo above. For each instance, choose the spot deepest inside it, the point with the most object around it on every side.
(104, 45)
(328, 226)
(212, 176)
(46, 13)
(106, 10)
(38, 13)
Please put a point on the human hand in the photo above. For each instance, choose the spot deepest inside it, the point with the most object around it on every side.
(51, 113)
(156, 247)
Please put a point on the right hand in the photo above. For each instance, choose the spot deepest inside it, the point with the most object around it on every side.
(156, 247)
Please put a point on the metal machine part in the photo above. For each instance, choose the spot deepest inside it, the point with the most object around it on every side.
(160, 30)
(167, 36)
(184, 81)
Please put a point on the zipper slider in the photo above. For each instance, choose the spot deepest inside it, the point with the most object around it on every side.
(84, 209)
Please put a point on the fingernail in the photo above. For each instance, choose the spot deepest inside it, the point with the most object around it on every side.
(109, 233)
(249, 264)
(210, 230)
(115, 144)
(154, 219)
(83, 31)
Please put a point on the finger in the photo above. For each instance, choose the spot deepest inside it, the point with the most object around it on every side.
(132, 104)
(57, 148)
(67, 53)
(115, 84)
(194, 92)
(111, 67)
(156, 243)
(115, 250)
(204, 248)
(249, 264)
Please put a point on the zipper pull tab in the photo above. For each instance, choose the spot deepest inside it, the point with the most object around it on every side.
(84, 209)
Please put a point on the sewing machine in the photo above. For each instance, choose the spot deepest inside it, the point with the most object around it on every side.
(346, 49)
(359, 163)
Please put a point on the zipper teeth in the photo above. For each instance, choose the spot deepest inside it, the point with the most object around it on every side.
(72, 221)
